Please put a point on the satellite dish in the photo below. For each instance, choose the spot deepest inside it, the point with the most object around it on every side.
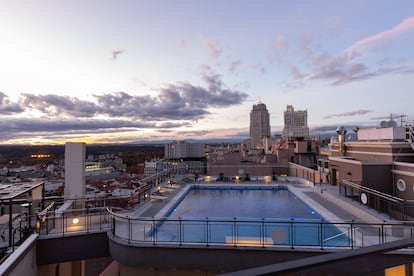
(392, 124)
(383, 124)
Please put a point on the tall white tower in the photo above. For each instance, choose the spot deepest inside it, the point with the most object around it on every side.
(75, 169)
(259, 125)
(296, 123)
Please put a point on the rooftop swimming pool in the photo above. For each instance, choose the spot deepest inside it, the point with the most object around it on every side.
(241, 202)
(246, 215)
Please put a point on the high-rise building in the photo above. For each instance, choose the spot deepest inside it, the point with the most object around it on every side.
(185, 156)
(296, 123)
(259, 125)
(183, 149)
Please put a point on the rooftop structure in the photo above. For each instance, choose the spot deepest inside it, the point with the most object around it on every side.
(381, 160)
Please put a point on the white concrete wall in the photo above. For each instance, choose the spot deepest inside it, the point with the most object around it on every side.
(387, 133)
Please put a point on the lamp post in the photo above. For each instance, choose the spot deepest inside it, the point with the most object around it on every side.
(320, 174)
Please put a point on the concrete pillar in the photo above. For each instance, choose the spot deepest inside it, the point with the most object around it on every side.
(74, 170)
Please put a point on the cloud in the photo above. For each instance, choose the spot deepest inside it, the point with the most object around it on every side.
(169, 125)
(355, 63)
(183, 43)
(234, 65)
(55, 105)
(278, 50)
(175, 101)
(213, 47)
(7, 107)
(116, 53)
(405, 25)
(31, 127)
(259, 68)
(138, 81)
(348, 126)
(280, 46)
(349, 114)
(175, 105)
(193, 133)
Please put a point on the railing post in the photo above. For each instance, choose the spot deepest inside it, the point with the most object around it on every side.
(129, 230)
(46, 225)
(154, 229)
(352, 234)
(180, 230)
(113, 224)
(262, 233)
(207, 233)
(291, 233)
(321, 233)
(379, 235)
(88, 222)
(63, 222)
(234, 232)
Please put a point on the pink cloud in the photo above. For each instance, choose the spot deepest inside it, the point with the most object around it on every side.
(213, 47)
(405, 25)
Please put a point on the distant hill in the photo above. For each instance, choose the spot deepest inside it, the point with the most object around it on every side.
(205, 141)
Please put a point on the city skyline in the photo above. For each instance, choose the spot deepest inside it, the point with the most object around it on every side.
(106, 71)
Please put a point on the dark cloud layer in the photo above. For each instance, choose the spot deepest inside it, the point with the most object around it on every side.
(349, 114)
(176, 105)
(7, 107)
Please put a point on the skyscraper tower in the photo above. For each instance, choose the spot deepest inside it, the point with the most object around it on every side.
(296, 123)
(259, 125)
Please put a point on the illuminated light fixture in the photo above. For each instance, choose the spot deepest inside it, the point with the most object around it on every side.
(75, 221)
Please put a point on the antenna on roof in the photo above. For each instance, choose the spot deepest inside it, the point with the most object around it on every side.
(392, 122)
(401, 118)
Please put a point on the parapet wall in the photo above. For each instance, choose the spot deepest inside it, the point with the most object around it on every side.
(23, 260)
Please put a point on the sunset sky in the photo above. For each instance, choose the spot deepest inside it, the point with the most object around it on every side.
(127, 71)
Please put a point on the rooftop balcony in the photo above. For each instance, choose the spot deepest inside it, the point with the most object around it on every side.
(104, 229)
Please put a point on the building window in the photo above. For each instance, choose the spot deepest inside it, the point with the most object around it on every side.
(401, 185)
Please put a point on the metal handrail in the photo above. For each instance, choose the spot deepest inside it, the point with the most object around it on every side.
(267, 231)
(183, 231)
(410, 134)
(372, 191)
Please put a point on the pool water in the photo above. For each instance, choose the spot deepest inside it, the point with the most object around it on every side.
(242, 202)
(246, 215)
